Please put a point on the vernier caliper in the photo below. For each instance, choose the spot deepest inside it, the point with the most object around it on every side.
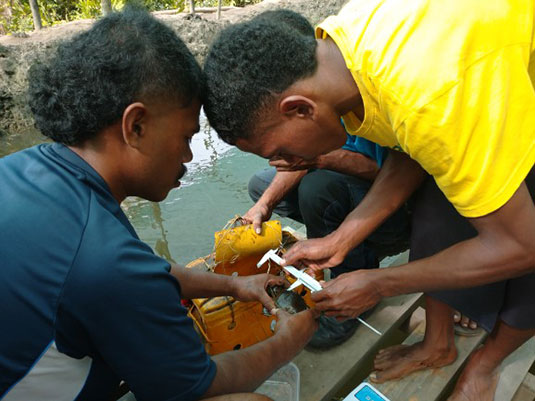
(301, 279)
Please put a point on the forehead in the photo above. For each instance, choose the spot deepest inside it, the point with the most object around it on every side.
(255, 144)
(266, 137)
(180, 114)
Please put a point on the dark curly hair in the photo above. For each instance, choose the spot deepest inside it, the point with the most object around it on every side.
(290, 18)
(93, 77)
(248, 65)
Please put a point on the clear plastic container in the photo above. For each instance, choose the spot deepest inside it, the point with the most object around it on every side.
(283, 385)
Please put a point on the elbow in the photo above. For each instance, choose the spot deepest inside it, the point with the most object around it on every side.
(516, 257)
(524, 258)
(531, 262)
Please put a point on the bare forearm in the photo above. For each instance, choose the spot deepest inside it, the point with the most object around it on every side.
(246, 369)
(397, 180)
(198, 284)
(466, 264)
(350, 163)
(504, 248)
(283, 182)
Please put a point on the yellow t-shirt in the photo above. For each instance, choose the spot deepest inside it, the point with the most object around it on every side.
(449, 82)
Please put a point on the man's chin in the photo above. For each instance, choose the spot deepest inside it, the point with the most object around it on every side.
(156, 197)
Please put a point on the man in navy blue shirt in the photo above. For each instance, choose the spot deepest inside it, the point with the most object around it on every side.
(84, 303)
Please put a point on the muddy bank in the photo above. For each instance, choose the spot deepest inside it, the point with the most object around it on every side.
(18, 53)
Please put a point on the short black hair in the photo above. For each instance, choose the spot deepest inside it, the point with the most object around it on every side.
(248, 65)
(290, 18)
(125, 57)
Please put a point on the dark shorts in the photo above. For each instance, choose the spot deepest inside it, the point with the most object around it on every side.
(436, 225)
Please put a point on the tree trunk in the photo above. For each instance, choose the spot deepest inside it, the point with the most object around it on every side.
(219, 9)
(6, 12)
(35, 14)
(192, 6)
(105, 6)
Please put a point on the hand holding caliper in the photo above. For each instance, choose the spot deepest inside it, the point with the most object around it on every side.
(302, 279)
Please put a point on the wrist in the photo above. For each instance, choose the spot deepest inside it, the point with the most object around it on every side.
(233, 286)
(341, 240)
(322, 162)
(292, 341)
(266, 203)
(385, 283)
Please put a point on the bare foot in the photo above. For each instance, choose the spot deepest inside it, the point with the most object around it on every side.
(400, 360)
(477, 382)
(464, 321)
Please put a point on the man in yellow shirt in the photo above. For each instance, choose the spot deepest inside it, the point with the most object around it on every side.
(449, 87)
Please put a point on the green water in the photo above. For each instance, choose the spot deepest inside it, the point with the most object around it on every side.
(181, 227)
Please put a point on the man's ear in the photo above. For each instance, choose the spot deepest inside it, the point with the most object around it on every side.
(298, 106)
(133, 124)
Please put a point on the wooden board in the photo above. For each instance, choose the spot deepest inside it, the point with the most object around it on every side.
(430, 384)
(323, 373)
(514, 370)
(526, 391)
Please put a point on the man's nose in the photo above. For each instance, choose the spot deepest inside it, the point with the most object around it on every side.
(188, 155)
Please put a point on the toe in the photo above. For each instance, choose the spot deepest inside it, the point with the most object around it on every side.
(377, 377)
(393, 372)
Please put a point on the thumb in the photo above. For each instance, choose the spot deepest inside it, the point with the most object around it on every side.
(257, 224)
(316, 313)
(281, 314)
(267, 301)
(293, 255)
(313, 268)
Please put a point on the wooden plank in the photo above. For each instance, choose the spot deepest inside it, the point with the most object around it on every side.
(323, 373)
(299, 234)
(430, 384)
(395, 260)
(338, 365)
(514, 369)
(526, 391)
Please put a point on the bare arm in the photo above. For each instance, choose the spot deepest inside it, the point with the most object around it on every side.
(290, 173)
(395, 183)
(283, 182)
(504, 248)
(341, 160)
(350, 163)
(397, 180)
(200, 284)
(246, 369)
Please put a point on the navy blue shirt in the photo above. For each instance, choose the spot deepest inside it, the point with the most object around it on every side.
(84, 303)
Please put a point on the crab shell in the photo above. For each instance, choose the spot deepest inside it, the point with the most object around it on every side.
(289, 301)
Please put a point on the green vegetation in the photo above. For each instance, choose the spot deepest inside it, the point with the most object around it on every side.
(16, 16)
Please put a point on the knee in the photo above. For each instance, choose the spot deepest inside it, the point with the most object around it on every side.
(257, 185)
(313, 189)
